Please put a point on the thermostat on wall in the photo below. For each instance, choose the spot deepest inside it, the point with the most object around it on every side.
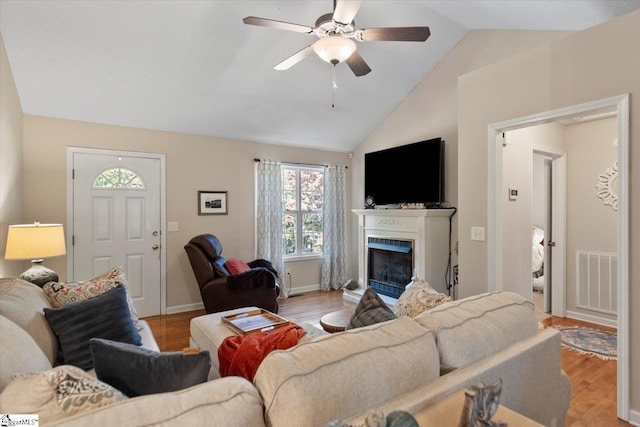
(513, 194)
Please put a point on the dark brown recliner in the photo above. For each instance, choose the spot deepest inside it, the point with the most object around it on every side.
(222, 291)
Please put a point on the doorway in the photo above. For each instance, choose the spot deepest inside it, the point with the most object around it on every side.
(542, 242)
(620, 106)
(115, 216)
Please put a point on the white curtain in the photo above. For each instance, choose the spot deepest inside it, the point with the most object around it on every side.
(269, 244)
(335, 257)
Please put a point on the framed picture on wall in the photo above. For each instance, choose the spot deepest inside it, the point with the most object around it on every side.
(212, 203)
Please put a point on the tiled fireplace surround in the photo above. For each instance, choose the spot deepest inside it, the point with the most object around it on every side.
(423, 233)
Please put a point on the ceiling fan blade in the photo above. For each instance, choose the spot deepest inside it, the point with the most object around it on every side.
(346, 10)
(293, 59)
(357, 65)
(404, 34)
(279, 25)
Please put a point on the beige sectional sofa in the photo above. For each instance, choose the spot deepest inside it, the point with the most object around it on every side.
(403, 364)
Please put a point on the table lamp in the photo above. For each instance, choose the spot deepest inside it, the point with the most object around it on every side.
(35, 242)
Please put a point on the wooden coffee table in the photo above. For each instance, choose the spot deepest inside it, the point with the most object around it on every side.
(336, 321)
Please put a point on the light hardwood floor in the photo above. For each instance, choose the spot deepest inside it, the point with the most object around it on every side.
(593, 401)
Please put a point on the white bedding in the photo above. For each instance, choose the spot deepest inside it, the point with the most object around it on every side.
(537, 258)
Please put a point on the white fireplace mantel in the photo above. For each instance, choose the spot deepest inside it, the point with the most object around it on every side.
(428, 229)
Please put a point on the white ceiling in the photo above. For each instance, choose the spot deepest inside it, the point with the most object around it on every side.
(194, 67)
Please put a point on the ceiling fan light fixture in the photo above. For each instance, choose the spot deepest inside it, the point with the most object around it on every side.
(334, 49)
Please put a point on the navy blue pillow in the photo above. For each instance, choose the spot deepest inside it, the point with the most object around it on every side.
(137, 371)
(104, 316)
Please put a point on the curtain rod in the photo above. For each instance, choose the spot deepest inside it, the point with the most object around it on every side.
(302, 164)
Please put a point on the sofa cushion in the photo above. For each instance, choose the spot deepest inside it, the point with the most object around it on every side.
(370, 310)
(228, 402)
(61, 294)
(137, 371)
(19, 353)
(23, 303)
(105, 316)
(475, 327)
(57, 393)
(418, 297)
(345, 373)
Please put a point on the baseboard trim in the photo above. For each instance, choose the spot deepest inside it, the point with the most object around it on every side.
(297, 290)
(634, 417)
(186, 307)
(592, 319)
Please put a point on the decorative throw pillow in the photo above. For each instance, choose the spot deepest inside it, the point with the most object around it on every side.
(419, 297)
(236, 266)
(371, 309)
(61, 294)
(57, 393)
(105, 316)
(137, 371)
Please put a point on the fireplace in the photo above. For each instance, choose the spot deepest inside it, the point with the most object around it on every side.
(401, 243)
(390, 265)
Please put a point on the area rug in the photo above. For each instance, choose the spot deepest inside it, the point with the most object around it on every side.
(591, 342)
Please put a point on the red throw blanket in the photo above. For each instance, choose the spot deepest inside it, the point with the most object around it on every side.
(241, 355)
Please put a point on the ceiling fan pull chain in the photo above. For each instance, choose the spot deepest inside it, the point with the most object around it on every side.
(334, 86)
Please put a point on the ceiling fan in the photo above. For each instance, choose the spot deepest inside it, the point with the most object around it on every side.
(335, 32)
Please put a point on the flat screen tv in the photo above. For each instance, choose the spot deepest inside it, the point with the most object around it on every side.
(412, 173)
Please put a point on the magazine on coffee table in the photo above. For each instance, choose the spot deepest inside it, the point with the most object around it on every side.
(254, 321)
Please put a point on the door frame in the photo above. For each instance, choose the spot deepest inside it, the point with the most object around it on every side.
(619, 104)
(163, 209)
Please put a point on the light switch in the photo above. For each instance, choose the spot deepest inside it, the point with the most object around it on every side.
(477, 234)
(172, 226)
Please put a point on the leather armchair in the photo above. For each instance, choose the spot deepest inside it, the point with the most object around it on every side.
(221, 290)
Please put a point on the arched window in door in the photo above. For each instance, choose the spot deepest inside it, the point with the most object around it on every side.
(119, 178)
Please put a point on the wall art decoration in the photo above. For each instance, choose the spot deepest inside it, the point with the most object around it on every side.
(607, 186)
(212, 203)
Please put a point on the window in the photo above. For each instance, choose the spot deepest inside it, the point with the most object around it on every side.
(118, 178)
(302, 197)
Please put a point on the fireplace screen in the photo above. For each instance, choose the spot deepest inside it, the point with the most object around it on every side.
(390, 265)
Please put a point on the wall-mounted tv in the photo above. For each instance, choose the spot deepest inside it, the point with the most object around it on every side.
(412, 173)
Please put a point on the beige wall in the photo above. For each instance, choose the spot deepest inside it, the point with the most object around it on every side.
(193, 163)
(517, 173)
(11, 188)
(591, 225)
(594, 64)
(431, 110)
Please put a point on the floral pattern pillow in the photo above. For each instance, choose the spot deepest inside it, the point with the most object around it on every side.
(61, 294)
(418, 298)
(57, 393)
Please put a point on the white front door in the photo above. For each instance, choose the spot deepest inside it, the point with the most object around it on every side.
(116, 221)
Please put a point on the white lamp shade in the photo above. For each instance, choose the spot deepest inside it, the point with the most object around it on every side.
(32, 241)
(334, 49)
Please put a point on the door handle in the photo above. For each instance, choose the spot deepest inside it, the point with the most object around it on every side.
(155, 233)
(551, 244)
(154, 247)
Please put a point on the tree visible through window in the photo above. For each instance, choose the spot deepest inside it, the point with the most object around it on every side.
(303, 196)
(118, 178)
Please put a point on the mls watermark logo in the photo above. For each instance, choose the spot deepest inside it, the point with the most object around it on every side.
(9, 420)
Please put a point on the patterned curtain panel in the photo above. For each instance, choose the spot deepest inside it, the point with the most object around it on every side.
(269, 244)
(335, 257)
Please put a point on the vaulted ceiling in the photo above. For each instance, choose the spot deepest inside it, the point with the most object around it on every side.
(194, 67)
